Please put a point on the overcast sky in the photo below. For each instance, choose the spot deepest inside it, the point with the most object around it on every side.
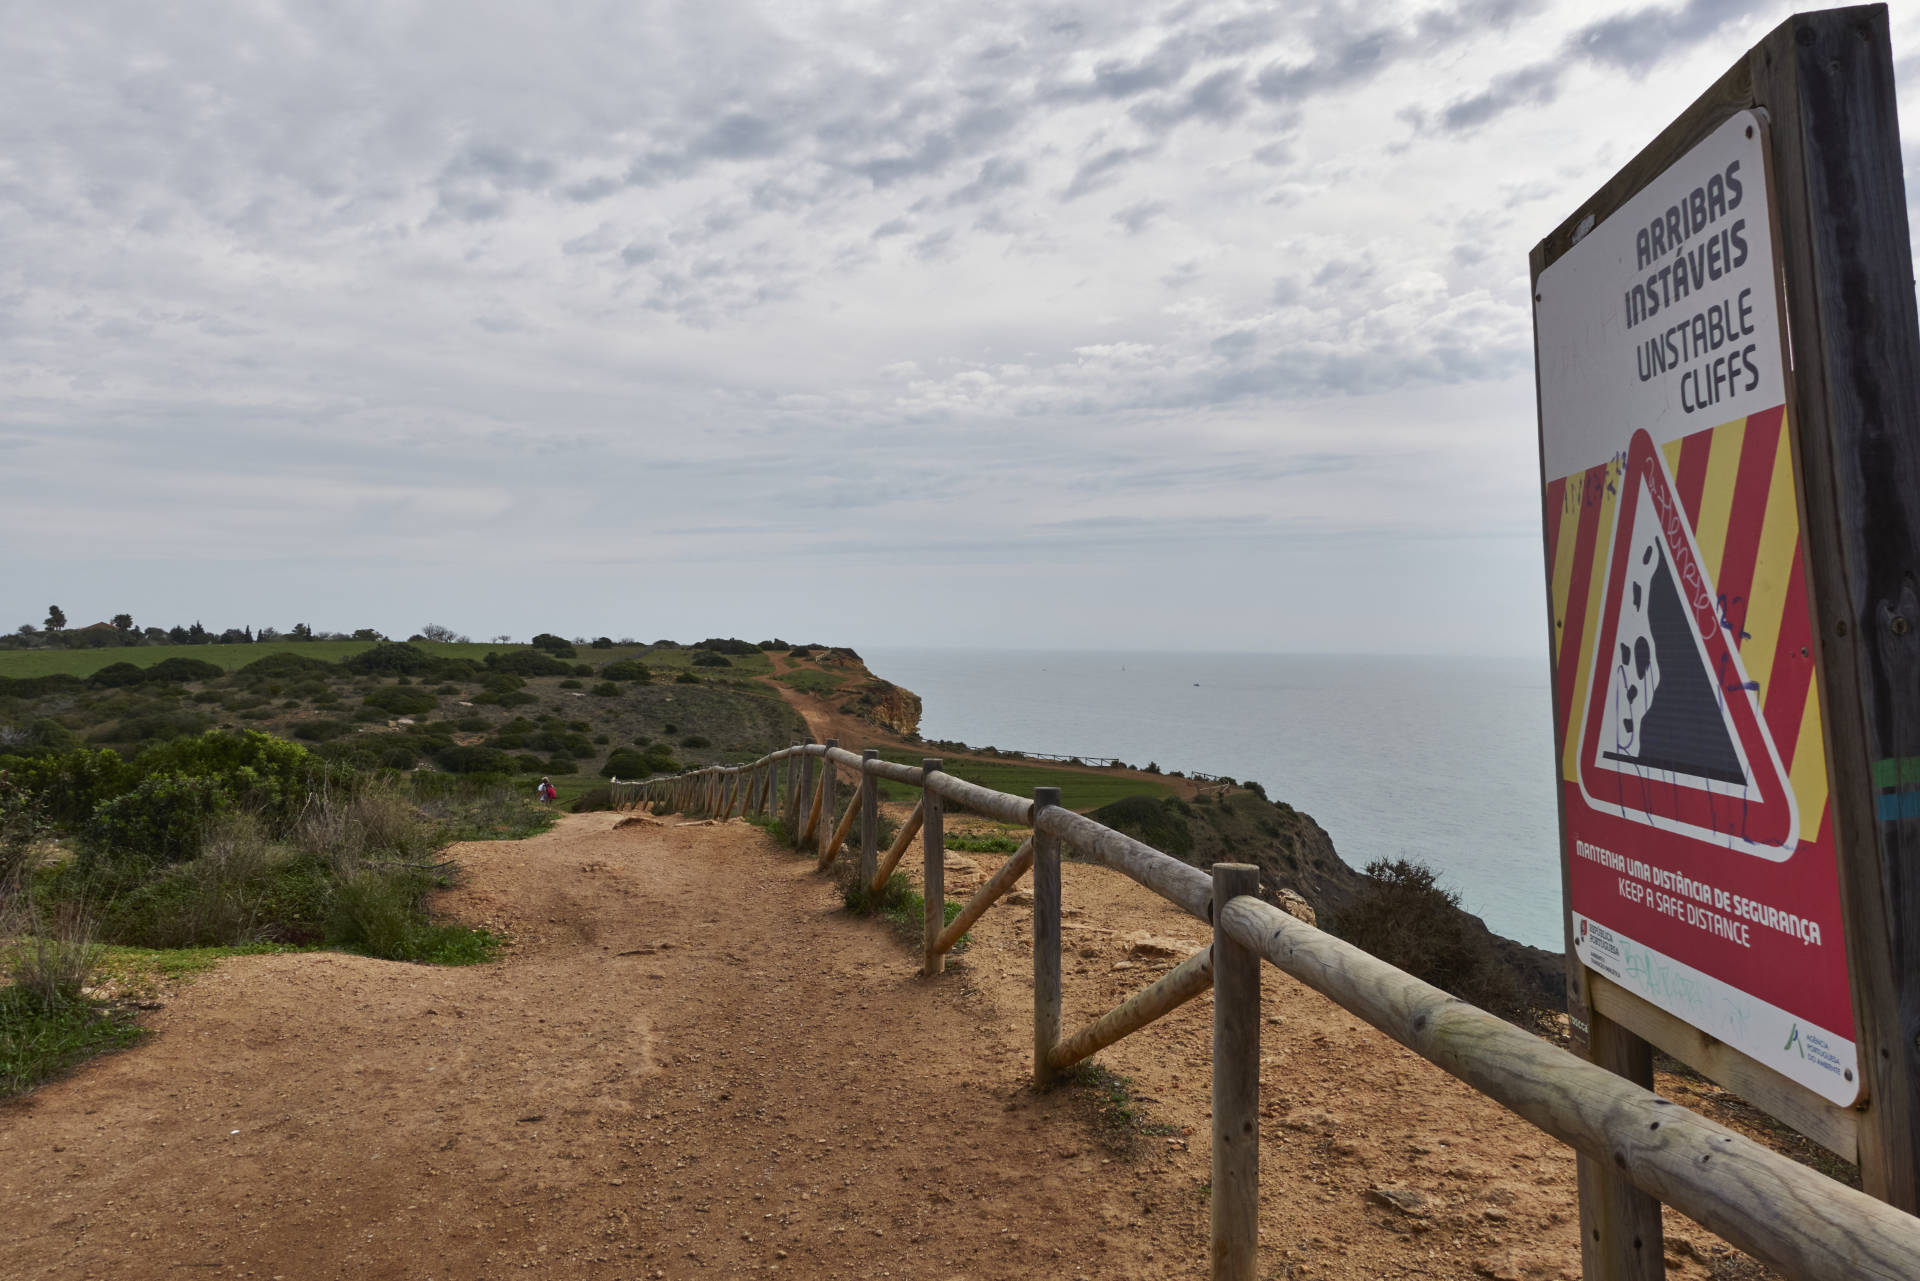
(1115, 324)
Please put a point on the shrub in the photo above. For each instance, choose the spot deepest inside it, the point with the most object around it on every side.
(369, 716)
(49, 961)
(474, 760)
(626, 669)
(395, 658)
(1404, 916)
(115, 675)
(561, 763)
(158, 727)
(160, 821)
(321, 730)
(570, 683)
(67, 786)
(288, 665)
(528, 763)
(711, 660)
(502, 683)
(686, 678)
(528, 662)
(624, 762)
(558, 646)
(603, 642)
(40, 686)
(514, 698)
(605, 689)
(402, 701)
(1156, 822)
(730, 645)
(185, 669)
(695, 741)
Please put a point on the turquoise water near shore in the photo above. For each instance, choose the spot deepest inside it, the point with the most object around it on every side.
(1447, 760)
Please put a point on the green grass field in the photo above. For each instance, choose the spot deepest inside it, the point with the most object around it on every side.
(811, 680)
(1078, 791)
(85, 662)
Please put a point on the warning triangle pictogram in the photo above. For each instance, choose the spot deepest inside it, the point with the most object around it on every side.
(1674, 736)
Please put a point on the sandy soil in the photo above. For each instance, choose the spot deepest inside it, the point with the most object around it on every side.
(692, 1063)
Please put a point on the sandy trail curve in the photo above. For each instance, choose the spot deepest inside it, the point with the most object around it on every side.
(694, 1064)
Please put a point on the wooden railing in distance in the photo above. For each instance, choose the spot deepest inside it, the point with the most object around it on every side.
(1793, 1218)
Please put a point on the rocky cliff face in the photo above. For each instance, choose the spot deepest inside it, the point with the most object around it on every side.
(886, 705)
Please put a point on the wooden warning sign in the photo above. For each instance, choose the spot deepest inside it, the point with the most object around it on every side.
(1727, 358)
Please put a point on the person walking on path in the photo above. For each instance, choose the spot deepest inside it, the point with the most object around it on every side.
(547, 792)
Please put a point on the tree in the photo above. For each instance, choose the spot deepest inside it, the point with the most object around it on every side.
(367, 634)
(56, 619)
(178, 634)
(28, 629)
(198, 635)
(444, 635)
(158, 635)
(123, 623)
(300, 632)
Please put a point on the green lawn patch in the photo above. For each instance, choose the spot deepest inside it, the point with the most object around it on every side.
(811, 680)
(1078, 791)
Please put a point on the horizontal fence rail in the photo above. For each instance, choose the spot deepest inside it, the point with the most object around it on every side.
(1788, 1216)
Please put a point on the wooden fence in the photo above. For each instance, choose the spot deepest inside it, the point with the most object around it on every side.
(1791, 1217)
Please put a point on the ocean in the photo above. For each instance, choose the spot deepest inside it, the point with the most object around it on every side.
(1445, 760)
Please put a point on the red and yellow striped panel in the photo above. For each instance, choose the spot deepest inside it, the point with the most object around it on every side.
(1736, 483)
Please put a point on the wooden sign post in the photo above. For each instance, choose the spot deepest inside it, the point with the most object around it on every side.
(1728, 363)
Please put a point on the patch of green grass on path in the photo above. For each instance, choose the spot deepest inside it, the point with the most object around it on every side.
(39, 1043)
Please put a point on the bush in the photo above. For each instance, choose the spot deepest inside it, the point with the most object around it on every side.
(402, 701)
(710, 660)
(1159, 823)
(730, 645)
(395, 658)
(67, 786)
(474, 760)
(528, 662)
(626, 669)
(695, 741)
(160, 821)
(502, 683)
(606, 689)
(686, 678)
(1404, 916)
(603, 642)
(321, 730)
(570, 683)
(185, 669)
(558, 646)
(288, 665)
(624, 762)
(115, 675)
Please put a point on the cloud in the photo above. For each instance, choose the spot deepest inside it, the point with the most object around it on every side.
(1103, 170)
(1135, 218)
(1634, 43)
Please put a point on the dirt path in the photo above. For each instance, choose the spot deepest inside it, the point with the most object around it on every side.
(692, 1064)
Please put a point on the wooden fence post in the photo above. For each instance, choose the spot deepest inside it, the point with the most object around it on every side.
(869, 818)
(829, 789)
(1046, 940)
(1236, 1086)
(803, 797)
(933, 849)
